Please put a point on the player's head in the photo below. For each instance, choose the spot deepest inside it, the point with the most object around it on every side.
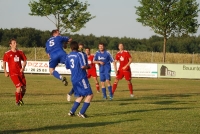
(13, 43)
(121, 46)
(87, 50)
(74, 46)
(55, 32)
(81, 46)
(101, 46)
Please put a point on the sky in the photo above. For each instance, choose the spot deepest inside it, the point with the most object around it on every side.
(114, 18)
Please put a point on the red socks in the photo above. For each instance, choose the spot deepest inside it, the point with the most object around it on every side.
(130, 86)
(114, 87)
(18, 97)
(97, 86)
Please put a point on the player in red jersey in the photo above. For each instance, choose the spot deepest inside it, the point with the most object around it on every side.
(92, 71)
(13, 58)
(124, 69)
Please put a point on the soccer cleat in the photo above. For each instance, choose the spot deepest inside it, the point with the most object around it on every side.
(81, 115)
(64, 80)
(21, 102)
(98, 91)
(71, 114)
(132, 95)
(68, 97)
(104, 98)
(17, 103)
(111, 97)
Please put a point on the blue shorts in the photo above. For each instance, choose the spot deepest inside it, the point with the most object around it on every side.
(56, 57)
(82, 88)
(104, 76)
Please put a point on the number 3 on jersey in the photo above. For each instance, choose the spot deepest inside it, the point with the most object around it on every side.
(72, 63)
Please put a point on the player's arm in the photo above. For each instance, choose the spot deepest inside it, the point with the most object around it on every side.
(4, 68)
(129, 62)
(115, 66)
(23, 66)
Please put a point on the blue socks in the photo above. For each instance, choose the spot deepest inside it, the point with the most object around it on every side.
(56, 74)
(75, 106)
(84, 108)
(71, 91)
(110, 91)
(104, 92)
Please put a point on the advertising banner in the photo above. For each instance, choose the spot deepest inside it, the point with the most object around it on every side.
(190, 71)
(144, 70)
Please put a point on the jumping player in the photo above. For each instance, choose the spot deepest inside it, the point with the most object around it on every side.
(104, 58)
(56, 53)
(76, 62)
(124, 69)
(13, 58)
(91, 72)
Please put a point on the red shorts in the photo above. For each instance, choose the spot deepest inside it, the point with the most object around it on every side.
(91, 73)
(18, 80)
(125, 74)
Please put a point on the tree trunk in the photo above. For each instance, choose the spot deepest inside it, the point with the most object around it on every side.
(164, 49)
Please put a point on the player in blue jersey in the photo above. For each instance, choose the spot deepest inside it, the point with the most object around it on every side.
(56, 53)
(104, 59)
(80, 49)
(75, 61)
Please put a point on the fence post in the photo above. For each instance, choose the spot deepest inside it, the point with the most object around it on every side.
(152, 56)
(193, 58)
(35, 53)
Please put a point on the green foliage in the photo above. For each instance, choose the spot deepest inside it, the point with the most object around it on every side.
(169, 17)
(30, 37)
(70, 15)
(160, 106)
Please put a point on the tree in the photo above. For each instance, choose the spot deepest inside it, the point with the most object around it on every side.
(70, 15)
(169, 17)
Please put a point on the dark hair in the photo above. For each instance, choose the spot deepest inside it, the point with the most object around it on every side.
(12, 39)
(101, 43)
(74, 45)
(80, 43)
(87, 48)
(54, 31)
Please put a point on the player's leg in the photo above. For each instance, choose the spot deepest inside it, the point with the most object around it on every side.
(94, 75)
(103, 87)
(75, 106)
(114, 87)
(128, 78)
(108, 78)
(71, 92)
(17, 83)
(85, 106)
(119, 76)
(23, 88)
(53, 62)
(86, 91)
(97, 84)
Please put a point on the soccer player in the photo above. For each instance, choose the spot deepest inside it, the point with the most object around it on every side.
(104, 58)
(80, 49)
(76, 62)
(14, 58)
(91, 72)
(124, 69)
(56, 53)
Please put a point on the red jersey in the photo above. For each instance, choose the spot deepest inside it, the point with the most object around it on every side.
(90, 62)
(123, 58)
(14, 61)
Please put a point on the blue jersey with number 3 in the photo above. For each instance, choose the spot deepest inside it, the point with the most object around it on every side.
(74, 62)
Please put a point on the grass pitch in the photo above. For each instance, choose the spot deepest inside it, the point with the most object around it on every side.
(159, 106)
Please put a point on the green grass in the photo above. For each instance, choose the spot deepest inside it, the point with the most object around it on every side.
(159, 106)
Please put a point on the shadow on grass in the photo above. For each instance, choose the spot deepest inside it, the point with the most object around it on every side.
(141, 111)
(65, 127)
